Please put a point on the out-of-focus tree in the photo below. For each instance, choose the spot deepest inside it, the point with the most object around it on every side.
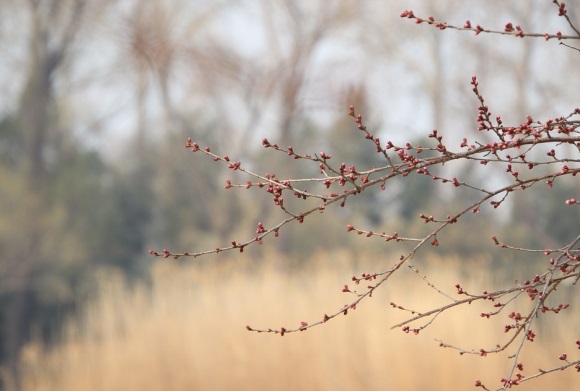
(193, 72)
(281, 77)
(49, 182)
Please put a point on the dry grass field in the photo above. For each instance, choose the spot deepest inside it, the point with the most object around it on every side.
(187, 332)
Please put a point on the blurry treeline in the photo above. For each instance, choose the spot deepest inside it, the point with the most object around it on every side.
(98, 98)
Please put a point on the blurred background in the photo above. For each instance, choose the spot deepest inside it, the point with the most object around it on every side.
(97, 100)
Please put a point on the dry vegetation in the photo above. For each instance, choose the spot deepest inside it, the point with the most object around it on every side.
(187, 332)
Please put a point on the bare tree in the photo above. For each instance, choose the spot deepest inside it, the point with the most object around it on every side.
(535, 153)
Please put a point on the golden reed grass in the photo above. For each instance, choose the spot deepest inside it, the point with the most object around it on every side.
(186, 331)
